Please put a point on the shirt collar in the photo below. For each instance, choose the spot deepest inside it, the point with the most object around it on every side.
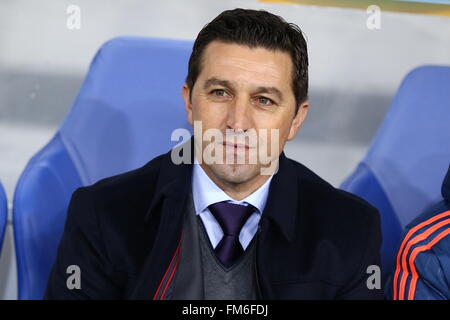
(205, 192)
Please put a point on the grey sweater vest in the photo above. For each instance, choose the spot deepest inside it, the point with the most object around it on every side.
(200, 275)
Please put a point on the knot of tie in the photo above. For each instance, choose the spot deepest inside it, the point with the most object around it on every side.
(231, 218)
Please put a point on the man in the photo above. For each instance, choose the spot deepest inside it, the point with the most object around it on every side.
(224, 224)
(423, 260)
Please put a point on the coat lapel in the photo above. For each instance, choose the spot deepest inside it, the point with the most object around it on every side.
(165, 215)
(280, 214)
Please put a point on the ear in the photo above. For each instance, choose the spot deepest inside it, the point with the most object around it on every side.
(185, 92)
(298, 120)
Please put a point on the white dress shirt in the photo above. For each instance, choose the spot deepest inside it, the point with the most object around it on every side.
(205, 192)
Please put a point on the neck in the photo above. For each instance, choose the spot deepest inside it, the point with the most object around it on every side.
(236, 191)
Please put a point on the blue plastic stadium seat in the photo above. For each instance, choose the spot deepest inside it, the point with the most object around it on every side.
(123, 116)
(3, 215)
(403, 169)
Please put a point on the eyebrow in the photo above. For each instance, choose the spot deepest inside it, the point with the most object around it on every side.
(270, 90)
(217, 82)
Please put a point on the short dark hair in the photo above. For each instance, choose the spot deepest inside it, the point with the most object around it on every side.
(255, 28)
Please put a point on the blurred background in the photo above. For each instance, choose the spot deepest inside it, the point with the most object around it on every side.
(354, 73)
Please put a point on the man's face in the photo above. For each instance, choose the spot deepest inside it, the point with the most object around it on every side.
(241, 89)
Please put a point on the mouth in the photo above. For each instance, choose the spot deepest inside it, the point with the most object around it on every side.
(235, 146)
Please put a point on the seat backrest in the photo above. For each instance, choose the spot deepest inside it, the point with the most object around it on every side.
(403, 169)
(129, 105)
(127, 108)
(3, 214)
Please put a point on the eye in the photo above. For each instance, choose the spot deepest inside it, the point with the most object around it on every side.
(265, 101)
(219, 92)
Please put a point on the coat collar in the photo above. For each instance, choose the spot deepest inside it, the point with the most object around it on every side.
(175, 182)
(282, 201)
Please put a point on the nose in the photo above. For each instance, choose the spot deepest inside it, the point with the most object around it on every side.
(239, 116)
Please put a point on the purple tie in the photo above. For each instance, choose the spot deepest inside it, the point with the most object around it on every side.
(231, 218)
